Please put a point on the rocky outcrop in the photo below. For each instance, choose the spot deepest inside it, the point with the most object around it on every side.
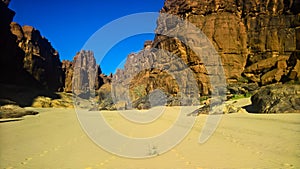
(14, 111)
(67, 68)
(41, 59)
(11, 60)
(257, 41)
(220, 109)
(65, 100)
(275, 69)
(277, 99)
(151, 70)
(27, 58)
(253, 38)
(83, 75)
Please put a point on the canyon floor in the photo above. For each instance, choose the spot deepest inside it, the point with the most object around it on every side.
(54, 139)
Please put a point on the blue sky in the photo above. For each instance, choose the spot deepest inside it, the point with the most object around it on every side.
(69, 24)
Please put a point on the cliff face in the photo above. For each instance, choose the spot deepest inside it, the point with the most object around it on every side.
(257, 41)
(11, 55)
(83, 75)
(151, 71)
(41, 59)
(244, 33)
(27, 58)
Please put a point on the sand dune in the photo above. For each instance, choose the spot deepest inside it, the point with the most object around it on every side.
(54, 139)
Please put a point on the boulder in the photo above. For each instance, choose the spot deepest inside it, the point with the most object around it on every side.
(14, 111)
(217, 109)
(65, 100)
(278, 98)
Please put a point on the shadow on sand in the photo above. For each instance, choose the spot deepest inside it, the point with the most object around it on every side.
(22, 96)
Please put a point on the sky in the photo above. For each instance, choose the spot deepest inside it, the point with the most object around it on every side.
(71, 25)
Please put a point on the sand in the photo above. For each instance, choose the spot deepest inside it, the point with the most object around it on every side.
(54, 139)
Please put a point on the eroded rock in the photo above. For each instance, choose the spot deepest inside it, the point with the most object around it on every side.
(14, 111)
(278, 98)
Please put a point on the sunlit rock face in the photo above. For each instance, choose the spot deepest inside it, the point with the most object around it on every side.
(243, 32)
(257, 42)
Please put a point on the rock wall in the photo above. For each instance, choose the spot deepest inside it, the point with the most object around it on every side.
(11, 60)
(244, 33)
(41, 59)
(29, 65)
(83, 75)
(150, 70)
(258, 41)
(27, 58)
(67, 68)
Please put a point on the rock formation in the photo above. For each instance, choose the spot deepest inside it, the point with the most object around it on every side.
(11, 60)
(27, 58)
(67, 68)
(41, 59)
(83, 75)
(277, 99)
(14, 111)
(257, 41)
(150, 70)
(254, 38)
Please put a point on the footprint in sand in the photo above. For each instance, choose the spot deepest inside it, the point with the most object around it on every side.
(44, 153)
(258, 152)
(24, 163)
(234, 140)
(288, 165)
(28, 159)
(188, 163)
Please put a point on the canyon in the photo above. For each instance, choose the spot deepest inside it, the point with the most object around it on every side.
(258, 43)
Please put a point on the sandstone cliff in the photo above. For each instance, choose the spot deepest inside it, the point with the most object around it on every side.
(11, 60)
(258, 42)
(83, 75)
(153, 71)
(246, 34)
(27, 58)
(41, 59)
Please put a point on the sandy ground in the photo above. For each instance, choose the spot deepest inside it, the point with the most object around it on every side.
(54, 139)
